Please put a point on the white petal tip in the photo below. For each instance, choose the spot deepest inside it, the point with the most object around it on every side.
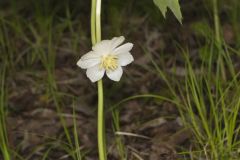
(125, 58)
(131, 44)
(116, 80)
(121, 38)
(116, 74)
(79, 63)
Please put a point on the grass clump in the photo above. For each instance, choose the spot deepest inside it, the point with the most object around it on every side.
(210, 107)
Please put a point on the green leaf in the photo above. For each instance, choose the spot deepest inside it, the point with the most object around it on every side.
(173, 5)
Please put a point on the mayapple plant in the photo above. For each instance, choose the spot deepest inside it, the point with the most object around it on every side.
(108, 56)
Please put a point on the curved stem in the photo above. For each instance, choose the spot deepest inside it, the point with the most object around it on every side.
(96, 37)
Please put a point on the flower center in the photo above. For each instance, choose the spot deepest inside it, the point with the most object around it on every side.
(109, 62)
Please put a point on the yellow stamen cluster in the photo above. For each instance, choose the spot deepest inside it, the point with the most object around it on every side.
(109, 62)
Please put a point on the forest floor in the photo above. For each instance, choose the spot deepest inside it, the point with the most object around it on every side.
(43, 82)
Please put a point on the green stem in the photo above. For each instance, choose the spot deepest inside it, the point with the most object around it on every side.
(101, 139)
(93, 19)
(96, 37)
(98, 21)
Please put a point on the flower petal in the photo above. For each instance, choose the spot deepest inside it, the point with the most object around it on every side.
(95, 73)
(123, 48)
(116, 74)
(89, 60)
(103, 47)
(90, 55)
(125, 58)
(116, 41)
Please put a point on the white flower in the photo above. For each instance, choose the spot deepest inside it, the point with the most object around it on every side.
(107, 56)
